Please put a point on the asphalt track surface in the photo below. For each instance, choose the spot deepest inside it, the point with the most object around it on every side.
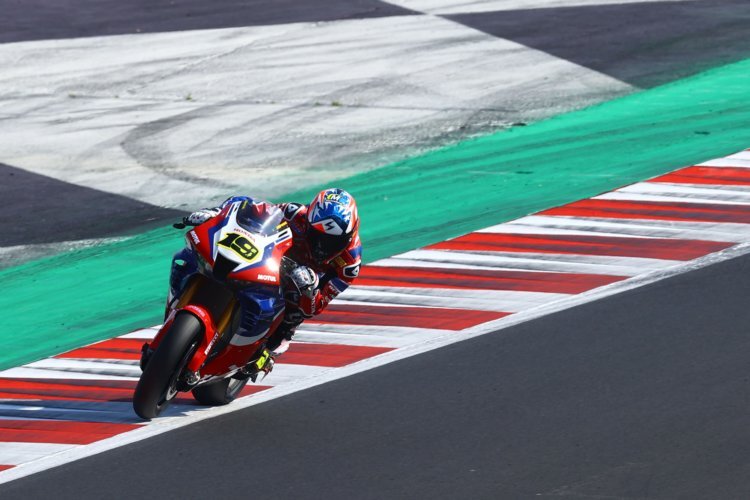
(644, 44)
(46, 19)
(50, 210)
(641, 395)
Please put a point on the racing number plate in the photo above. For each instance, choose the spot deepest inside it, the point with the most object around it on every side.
(241, 246)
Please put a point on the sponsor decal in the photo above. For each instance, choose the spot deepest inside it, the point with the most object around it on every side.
(195, 238)
(328, 226)
(284, 235)
(334, 197)
(291, 209)
(241, 231)
(211, 344)
(352, 271)
(266, 277)
(241, 246)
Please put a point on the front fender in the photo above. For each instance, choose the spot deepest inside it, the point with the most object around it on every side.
(209, 338)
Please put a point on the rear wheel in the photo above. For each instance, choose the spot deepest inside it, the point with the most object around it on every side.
(159, 381)
(221, 392)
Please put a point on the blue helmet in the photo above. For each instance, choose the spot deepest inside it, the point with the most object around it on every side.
(333, 223)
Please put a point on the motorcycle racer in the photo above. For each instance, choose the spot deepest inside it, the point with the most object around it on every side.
(326, 253)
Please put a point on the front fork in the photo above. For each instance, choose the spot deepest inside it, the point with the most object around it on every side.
(211, 331)
(183, 266)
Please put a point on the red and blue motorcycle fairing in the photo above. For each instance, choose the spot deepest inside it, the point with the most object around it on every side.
(228, 280)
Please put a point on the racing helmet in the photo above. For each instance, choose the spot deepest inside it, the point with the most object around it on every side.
(333, 223)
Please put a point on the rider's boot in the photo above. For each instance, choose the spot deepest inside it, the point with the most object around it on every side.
(264, 359)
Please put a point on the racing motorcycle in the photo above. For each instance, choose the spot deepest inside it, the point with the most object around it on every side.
(225, 300)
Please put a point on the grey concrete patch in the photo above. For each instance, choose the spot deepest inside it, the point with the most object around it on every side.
(196, 116)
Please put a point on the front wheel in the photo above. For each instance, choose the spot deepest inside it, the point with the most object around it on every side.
(221, 392)
(158, 383)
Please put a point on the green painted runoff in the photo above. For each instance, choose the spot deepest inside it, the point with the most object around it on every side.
(58, 303)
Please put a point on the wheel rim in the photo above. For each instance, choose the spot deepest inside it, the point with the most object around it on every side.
(235, 386)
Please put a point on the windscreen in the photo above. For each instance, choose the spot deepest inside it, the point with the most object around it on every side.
(259, 217)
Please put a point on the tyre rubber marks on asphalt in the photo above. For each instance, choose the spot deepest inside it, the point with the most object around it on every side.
(83, 396)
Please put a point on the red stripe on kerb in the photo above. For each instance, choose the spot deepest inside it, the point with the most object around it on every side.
(615, 209)
(728, 176)
(64, 390)
(80, 390)
(59, 431)
(417, 317)
(479, 279)
(129, 349)
(332, 355)
(656, 248)
(6, 467)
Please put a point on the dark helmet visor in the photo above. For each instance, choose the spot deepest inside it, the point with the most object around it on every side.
(326, 246)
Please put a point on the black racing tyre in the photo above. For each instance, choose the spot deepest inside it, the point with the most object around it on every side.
(157, 385)
(218, 393)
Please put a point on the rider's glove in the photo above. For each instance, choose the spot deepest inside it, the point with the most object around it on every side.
(305, 280)
(201, 216)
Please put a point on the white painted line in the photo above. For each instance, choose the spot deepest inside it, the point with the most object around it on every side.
(480, 300)
(285, 373)
(395, 332)
(81, 411)
(630, 196)
(742, 155)
(145, 334)
(711, 231)
(25, 372)
(313, 337)
(87, 366)
(522, 226)
(382, 305)
(736, 188)
(550, 262)
(707, 191)
(18, 453)
(730, 161)
(104, 361)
